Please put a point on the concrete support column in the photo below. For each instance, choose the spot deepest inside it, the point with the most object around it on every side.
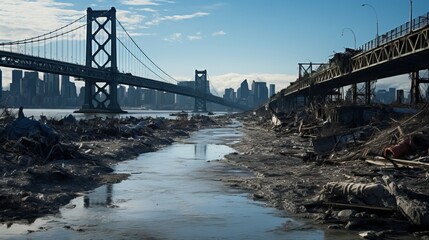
(354, 93)
(415, 90)
(368, 92)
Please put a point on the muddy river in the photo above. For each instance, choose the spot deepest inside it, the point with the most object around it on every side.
(175, 193)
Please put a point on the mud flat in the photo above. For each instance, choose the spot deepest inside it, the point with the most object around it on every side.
(340, 191)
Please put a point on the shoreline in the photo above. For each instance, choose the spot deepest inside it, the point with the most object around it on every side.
(36, 184)
(287, 177)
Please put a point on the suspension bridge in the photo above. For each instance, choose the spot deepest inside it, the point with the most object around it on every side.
(97, 49)
(403, 50)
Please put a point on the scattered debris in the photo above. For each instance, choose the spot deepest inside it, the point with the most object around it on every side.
(46, 163)
(352, 167)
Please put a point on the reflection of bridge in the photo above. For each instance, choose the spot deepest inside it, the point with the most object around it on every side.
(105, 65)
(397, 52)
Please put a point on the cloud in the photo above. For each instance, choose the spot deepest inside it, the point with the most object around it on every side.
(21, 19)
(140, 2)
(160, 19)
(219, 33)
(233, 80)
(175, 37)
(197, 36)
(148, 10)
(129, 18)
(398, 82)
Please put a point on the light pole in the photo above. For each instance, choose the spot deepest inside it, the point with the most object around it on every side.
(411, 15)
(354, 36)
(376, 18)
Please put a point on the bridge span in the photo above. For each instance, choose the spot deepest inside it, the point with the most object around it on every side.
(399, 51)
(101, 68)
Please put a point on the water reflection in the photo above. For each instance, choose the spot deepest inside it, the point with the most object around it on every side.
(104, 200)
(200, 151)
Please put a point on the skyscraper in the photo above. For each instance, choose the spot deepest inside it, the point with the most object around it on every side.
(52, 84)
(259, 92)
(243, 92)
(1, 84)
(272, 89)
(15, 86)
(29, 87)
(229, 94)
(184, 102)
(65, 87)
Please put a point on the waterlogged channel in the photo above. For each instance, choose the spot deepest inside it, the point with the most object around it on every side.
(174, 193)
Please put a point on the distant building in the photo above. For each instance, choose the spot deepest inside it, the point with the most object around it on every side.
(133, 99)
(272, 89)
(15, 86)
(243, 91)
(229, 94)
(52, 84)
(259, 92)
(121, 95)
(385, 97)
(29, 87)
(185, 102)
(149, 98)
(400, 96)
(1, 84)
(165, 100)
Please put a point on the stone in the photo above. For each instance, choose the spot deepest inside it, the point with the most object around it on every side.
(346, 214)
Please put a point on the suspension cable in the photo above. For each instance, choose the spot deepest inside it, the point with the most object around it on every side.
(144, 52)
(45, 34)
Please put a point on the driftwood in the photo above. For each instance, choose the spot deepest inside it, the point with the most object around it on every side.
(380, 161)
(358, 206)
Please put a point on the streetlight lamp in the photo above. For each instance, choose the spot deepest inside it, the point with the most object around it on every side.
(354, 36)
(376, 18)
(411, 15)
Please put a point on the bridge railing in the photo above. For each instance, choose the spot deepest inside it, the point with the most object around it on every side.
(404, 29)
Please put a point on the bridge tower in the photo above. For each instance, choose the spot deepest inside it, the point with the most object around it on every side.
(201, 87)
(101, 96)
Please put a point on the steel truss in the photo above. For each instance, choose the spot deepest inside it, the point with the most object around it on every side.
(400, 56)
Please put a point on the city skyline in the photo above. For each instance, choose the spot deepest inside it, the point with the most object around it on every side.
(232, 40)
(56, 91)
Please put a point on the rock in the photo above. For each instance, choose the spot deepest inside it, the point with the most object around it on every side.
(258, 196)
(373, 235)
(361, 215)
(352, 225)
(346, 214)
(25, 161)
(336, 226)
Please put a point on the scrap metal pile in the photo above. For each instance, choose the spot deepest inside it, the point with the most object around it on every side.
(391, 147)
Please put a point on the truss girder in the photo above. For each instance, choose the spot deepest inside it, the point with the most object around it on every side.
(402, 55)
(32, 63)
(16, 60)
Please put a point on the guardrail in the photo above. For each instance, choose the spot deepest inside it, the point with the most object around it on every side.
(404, 29)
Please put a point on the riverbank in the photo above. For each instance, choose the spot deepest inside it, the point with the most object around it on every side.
(291, 177)
(43, 168)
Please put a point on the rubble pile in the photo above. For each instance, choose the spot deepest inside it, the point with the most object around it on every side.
(46, 163)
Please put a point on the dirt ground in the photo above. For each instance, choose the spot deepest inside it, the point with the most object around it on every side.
(287, 179)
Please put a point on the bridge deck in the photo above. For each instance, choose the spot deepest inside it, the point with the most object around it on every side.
(400, 56)
(21, 61)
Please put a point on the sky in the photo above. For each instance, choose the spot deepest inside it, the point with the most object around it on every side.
(262, 40)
